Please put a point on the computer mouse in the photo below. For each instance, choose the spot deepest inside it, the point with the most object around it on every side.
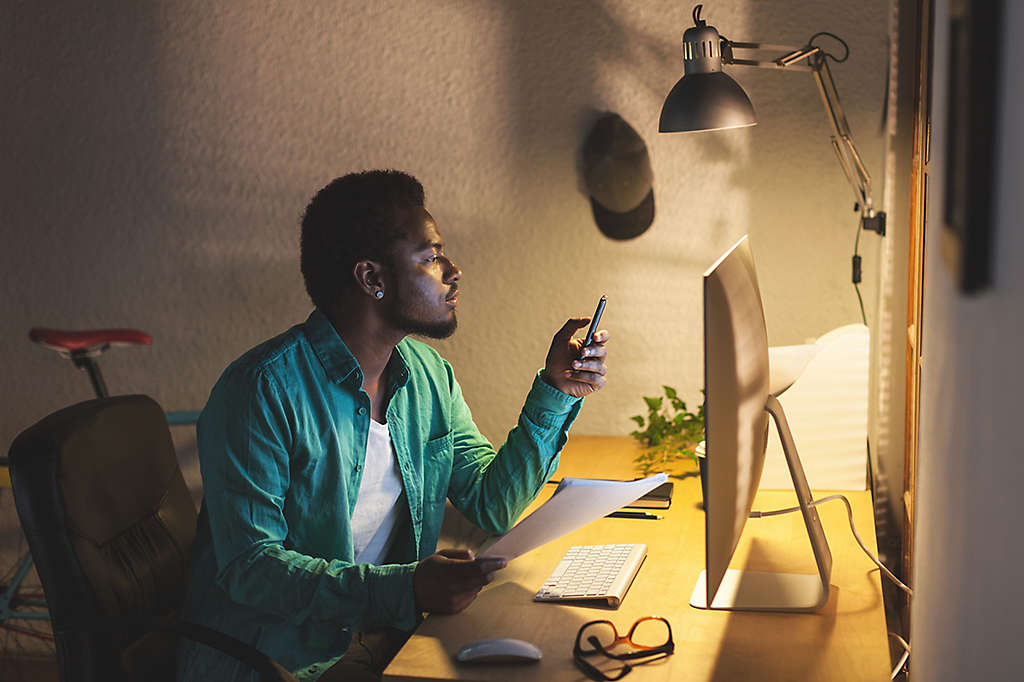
(499, 650)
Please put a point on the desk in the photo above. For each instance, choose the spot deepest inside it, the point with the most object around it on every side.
(846, 640)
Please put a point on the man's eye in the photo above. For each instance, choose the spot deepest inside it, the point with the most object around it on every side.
(432, 259)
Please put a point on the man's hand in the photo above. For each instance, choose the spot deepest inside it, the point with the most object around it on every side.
(448, 581)
(570, 367)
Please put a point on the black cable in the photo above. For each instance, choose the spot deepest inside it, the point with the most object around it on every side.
(837, 60)
(856, 278)
(856, 244)
(860, 301)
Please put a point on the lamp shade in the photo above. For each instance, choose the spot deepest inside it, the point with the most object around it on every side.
(705, 98)
(706, 101)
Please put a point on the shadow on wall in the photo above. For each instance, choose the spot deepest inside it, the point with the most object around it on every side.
(565, 49)
(84, 101)
(113, 225)
(89, 127)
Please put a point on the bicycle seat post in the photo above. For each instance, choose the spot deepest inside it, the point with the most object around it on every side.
(83, 347)
(86, 361)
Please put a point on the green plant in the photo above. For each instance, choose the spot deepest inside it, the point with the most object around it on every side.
(668, 433)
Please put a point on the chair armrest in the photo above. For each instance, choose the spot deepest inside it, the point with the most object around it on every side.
(269, 670)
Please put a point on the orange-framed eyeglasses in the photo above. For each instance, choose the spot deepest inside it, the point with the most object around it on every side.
(650, 638)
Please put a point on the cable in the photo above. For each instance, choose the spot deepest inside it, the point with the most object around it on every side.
(899, 666)
(849, 513)
(856, 274)
(837, 60)
(906, 654)
(860, 301)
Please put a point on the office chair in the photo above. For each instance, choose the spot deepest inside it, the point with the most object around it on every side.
(110, 523)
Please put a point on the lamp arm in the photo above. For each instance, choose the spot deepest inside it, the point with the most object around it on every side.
(842, 141)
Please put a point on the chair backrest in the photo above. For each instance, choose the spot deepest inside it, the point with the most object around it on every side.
(109, 521)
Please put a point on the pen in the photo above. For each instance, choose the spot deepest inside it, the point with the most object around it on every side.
(631, 515)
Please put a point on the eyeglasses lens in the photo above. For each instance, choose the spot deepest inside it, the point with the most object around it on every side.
(650, 633)
(604, 632)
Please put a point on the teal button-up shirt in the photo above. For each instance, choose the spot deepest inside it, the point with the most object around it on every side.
(282, 442)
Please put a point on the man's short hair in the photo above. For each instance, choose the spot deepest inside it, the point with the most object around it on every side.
(356, 217)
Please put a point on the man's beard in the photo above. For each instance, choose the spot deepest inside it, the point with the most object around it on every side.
(400, 316)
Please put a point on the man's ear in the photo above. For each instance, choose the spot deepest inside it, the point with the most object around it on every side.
(369, 276)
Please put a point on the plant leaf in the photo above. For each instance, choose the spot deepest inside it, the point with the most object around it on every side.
(653, 404)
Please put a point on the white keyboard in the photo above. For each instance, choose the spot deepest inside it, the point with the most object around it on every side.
(594, 572)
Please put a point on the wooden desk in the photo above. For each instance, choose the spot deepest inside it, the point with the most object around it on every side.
(846, 640)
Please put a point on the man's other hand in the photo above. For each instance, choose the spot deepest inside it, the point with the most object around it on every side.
(448, 581)
(570, 367)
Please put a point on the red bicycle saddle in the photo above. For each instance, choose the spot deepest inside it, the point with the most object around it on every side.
(66, 341)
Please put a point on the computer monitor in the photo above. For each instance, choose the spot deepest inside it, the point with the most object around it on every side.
(738, 402)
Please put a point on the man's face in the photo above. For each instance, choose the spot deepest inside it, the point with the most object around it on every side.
(421, 299)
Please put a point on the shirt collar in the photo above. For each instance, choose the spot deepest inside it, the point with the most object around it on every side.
(338, 361)
(332, 352)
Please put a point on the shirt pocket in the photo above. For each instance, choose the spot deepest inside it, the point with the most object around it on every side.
(437, 467)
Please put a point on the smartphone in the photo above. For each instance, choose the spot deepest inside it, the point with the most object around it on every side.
(588, 340)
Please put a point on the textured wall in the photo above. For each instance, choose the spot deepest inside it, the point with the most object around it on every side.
(157, 158)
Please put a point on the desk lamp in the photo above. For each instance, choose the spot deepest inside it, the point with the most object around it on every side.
(706, 98)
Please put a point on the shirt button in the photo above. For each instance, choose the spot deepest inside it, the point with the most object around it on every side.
(362, 411)
(359, 467)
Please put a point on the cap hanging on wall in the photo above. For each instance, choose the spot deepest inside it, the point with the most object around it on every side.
(618, 176)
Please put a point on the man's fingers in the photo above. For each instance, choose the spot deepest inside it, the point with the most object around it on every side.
(460, 602)
(471, 573)
(590, 378)
(570, 327)
(593, 366)
(491, 564)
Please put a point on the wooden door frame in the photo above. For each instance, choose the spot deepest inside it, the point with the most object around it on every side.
(919, 189)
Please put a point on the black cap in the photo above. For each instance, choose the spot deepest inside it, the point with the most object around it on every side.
(618, 176)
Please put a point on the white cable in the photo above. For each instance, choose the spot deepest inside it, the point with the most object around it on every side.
(906, 655)
(849, 514)
(899, 666)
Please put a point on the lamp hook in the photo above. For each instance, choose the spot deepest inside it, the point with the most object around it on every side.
(697, 21)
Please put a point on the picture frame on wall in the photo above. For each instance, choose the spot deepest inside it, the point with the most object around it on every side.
(972, 110)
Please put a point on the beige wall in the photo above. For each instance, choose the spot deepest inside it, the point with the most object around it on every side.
(968, 553)
(157, 159)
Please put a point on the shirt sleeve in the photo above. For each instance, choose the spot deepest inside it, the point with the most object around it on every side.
(493, 488)
(244, 440)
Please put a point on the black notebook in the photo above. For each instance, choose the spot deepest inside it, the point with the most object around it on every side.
(659, 498)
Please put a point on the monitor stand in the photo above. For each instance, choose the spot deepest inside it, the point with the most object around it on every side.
(758, 591)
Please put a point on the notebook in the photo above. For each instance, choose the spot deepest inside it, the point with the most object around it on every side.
(659, 498)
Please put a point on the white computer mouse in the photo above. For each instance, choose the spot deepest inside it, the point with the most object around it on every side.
(499, 650)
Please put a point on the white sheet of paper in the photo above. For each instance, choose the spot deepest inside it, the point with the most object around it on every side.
(575, 503)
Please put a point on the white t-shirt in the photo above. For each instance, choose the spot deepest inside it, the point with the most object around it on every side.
(376, 511)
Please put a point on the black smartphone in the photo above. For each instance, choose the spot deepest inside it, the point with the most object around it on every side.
(588, 340)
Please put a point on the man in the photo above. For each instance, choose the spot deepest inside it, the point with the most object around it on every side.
(327, 453)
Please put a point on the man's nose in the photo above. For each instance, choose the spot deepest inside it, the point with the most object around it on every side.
(453, 273)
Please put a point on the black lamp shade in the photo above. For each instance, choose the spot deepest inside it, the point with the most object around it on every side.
(706, 101)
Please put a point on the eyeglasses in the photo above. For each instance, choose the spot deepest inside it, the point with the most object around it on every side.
(651, 637)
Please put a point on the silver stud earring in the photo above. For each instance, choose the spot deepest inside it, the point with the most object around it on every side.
(379, 294)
